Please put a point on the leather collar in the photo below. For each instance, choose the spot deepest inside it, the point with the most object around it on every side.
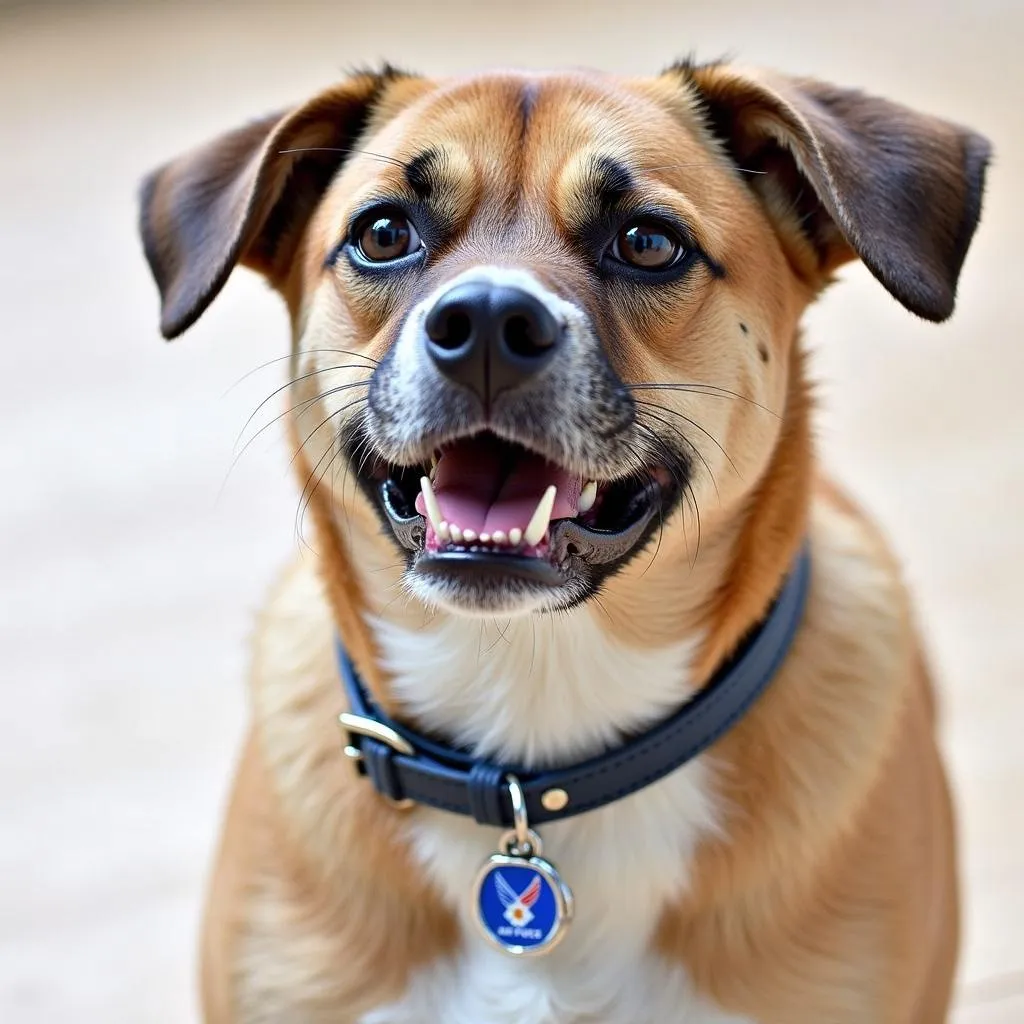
(409, 768)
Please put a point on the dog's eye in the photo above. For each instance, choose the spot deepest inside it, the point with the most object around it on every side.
(387, 236)
(647, 245)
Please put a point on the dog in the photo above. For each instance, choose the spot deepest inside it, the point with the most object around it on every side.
(634, 723)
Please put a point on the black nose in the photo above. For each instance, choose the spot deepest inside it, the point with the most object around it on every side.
(490, 338)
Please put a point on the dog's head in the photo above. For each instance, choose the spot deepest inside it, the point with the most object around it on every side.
(567, 302)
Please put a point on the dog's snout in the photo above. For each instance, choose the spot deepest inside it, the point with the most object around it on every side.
(490, 338)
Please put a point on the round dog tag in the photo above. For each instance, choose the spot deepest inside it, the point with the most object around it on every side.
(523, 907)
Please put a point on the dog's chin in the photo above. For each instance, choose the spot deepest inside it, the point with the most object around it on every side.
(476, 590)
(520, 555)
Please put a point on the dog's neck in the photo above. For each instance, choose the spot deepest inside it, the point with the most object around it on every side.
(536, 691)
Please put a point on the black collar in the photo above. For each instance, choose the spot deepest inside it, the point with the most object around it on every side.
(410, 768)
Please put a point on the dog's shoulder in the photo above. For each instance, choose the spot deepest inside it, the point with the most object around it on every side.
(313, 884)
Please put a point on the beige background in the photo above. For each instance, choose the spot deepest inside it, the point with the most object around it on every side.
(132, 559)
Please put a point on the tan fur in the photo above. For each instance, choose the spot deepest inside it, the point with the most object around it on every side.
(831, 894)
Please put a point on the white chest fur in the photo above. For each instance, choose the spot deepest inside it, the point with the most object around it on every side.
(537, 691)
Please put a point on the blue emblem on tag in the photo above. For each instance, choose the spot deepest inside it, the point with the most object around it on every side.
(522, 905)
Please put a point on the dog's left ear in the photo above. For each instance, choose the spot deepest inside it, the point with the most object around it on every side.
(246, 196)
(858, 176)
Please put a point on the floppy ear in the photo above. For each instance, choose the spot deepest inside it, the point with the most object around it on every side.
(860, 176)
(246, 196)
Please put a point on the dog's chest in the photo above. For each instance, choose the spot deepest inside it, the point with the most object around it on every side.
(533, 691)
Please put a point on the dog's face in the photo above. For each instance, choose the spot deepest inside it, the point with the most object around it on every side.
(538, 319)
(537, 269)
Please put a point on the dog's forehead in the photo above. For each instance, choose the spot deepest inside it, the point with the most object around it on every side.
(552, 132)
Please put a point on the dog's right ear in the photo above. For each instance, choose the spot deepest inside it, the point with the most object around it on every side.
(246, 196)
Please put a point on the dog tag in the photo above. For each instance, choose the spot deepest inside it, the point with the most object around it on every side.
(522, 905)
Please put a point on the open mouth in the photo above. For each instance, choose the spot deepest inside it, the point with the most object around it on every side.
(482, 508)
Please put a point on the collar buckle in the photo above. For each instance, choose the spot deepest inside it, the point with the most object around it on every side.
(359, 725)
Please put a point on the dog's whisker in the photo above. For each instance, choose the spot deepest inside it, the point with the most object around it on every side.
(663, 452)
(333, 450)
(657, 450)
(693, 423)
(711, 390)
(301, 510)
(364, 447)
(686, 440)
(266, 426)
(596, 598)
(292, 355)
(292, 383)
(367, 452)
(685, 486)
(305, 500)
(696, 513)
(324, 422)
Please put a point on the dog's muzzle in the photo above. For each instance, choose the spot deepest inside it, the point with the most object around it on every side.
(501, 449)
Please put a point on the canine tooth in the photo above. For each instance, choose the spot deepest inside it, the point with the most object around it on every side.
(498, 537)
(515, 535)
(587, 497)
(485, 538)
(541, 517)
(469, 536)
(442, 531)
(431, 505)
(455, 532)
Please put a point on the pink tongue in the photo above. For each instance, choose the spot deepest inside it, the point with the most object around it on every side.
(479, 490)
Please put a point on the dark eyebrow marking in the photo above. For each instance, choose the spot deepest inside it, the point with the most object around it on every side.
(611, 182)
(420, 173)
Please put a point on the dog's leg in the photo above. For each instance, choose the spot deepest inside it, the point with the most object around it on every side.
(934, 1000)
(223, 918)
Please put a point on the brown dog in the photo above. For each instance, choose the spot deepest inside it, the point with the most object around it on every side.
(571, 303)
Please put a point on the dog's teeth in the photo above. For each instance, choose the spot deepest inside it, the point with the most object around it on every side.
(534, 533)
(469, 536)
(442, 531)
(587, 497)
(455, 532)
(498, 537)
(515, 535)
(485, 538)
(431, 505)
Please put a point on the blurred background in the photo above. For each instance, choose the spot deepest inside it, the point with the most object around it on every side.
(134, 550)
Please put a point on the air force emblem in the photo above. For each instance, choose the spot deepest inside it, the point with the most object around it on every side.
(517, 904)
(522, 905)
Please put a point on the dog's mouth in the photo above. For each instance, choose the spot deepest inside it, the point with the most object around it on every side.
(483, 509)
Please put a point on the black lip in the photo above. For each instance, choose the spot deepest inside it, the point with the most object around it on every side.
(571, 539)
(484, 566)
(410, 530)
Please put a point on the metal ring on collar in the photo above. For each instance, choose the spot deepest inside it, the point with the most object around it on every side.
(520, 821)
